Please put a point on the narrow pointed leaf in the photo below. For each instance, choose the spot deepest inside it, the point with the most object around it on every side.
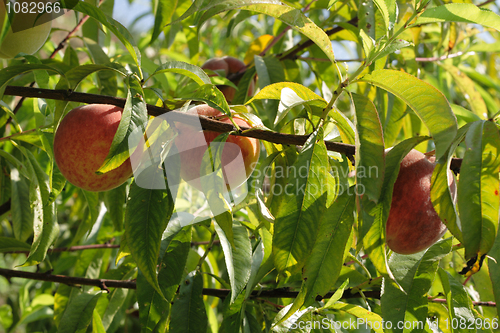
(365, 318)
(22, 216)
(193, 72)
(114, 26)
(238, 258)
(134, 116)
(286, 14)
(146, 217)
(460, 12)
(8, 244)
(478, 196)
(415, 274)
(297, 221)
(441, 197)
(427, 102)
(274, 91)
(458, 302)
(45, 225)
(78, 313)
(370, 158)
(467, 86)
(188, 311)
(327, 257)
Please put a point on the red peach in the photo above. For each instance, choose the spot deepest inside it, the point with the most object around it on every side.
(228, 65)
(81, 144)
(236, 170)
(413, 224)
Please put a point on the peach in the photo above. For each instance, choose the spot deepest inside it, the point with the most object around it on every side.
(192, 146)
(413, 224)
(23, 35)
(81, 144)
(228, 65)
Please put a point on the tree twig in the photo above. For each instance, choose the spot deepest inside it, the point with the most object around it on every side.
(206, 123)
(220, 293)
(96, 246)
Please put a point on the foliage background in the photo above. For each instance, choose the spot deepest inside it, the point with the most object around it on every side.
(419, 69)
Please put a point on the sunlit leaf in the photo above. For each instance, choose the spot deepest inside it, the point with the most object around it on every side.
(415, 274)
(478, 202)
(369, 148)
(460, 12)
(297, 222)
(427, 102)
(147, 214)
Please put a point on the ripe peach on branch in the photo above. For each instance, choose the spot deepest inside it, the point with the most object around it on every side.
(413, 224)
(239, 155)
(228, 65)
(81, 144)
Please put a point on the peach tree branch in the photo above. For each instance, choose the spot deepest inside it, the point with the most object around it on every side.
(104, 284)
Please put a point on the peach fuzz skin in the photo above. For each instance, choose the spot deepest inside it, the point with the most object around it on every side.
(191, 160)
(413, 224)
(81, 144)
(229, 65)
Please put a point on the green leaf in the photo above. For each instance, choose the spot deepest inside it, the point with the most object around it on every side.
(210, 94)
(115, 201)
(165, 12)
(45, 225)
(8, 73)
(460, 12)
(90, 215)
(97, 326)
(467, 86)
(414, 274)
(478, 188)
(193, 72)
(344, 125)
(79, 313)
(146, 217)
(238, 258)
(188, 311)
(323, 266)
(115, 27)
(427, 102)
(441, 197)
(117, 299)
(20, 207)
(389, 11)
(297, 220)
(393, 121)
(277, 91)
(214, 186)
(494, 270)
(232, 315)
(365, 319)
(152, 306)
(8, 244)
(286, 14)
(459, 304)
(369, 147)
(134, 117)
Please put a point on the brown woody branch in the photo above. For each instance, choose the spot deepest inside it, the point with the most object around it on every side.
(95, 246)
(220, 293)
(206, 123)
